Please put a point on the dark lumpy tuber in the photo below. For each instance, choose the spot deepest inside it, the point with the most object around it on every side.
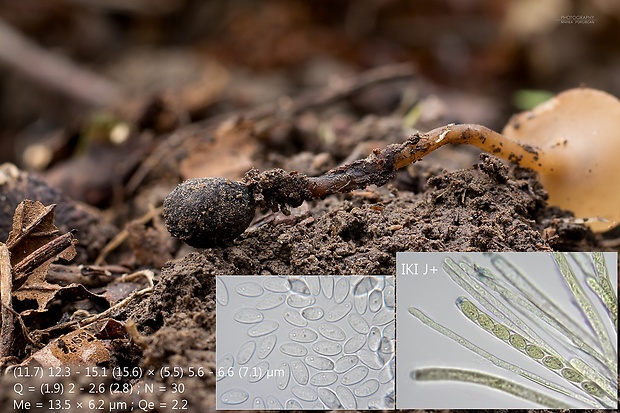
(208, 212)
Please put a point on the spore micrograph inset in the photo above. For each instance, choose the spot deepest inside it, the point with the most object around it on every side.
(305, 342)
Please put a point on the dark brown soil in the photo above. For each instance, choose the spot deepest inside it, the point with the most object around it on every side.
(488, 207)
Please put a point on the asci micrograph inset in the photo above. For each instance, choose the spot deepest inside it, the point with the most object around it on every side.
(305, 342)
(507, 330)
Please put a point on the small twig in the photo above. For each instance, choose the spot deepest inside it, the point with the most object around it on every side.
(132, 329)
(333, 92)
(148, 274)
(23, 268)
(88, 276)
(139, 7)
(25, 330)
(168, 147)
(52, 70)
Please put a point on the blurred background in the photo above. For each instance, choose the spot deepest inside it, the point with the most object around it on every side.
(70, 69)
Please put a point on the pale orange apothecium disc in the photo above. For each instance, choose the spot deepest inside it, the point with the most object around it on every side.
(578, 133)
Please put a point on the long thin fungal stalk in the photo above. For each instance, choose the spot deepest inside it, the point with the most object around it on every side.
(210, 212)
(488, 380)
(396, 156)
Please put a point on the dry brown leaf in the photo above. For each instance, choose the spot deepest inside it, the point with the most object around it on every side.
(78, 348)
(228, 156)
(82, 347)
(34, 244)
(16, 185)
(33, 227)
(71, 293)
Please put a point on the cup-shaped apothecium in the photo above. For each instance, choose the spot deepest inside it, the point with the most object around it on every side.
(578, 135)
(572, 141)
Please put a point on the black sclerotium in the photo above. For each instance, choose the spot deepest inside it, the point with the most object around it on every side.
(208, 212)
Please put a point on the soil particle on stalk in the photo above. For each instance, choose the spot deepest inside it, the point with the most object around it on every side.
(278, 189)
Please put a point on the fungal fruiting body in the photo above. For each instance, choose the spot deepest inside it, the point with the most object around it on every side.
(578, 134)
(208, 212)
(572, 141)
